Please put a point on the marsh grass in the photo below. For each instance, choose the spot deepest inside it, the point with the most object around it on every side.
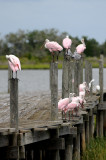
(35, 63)
(96, 150)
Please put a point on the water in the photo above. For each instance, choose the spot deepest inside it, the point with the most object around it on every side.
(37, 80)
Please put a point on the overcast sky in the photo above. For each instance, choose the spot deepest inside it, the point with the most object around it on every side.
(77, 17)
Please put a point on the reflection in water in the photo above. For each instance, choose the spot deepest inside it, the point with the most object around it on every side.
(37, 80)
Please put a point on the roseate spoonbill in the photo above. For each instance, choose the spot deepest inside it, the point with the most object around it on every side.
(67, 45)
(81, 47)
(82, 98)
(72, 106)
(62, 104)
(14, 63)
(53, 47)
(83, 86)
(79, 50)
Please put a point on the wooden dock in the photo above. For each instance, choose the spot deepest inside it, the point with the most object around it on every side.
(52, 138)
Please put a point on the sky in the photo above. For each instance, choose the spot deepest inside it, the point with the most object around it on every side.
(76, 17)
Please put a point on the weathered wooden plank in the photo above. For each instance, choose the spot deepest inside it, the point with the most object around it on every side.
(32, 137)
(14, 103)
(102, 106)
(67, 130)
(54, 91)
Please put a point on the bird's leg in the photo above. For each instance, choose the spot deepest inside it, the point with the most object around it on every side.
(58, 55)
(12, 74)
(65, 116)
(16, 74)
(53, 57)
(72, 114)
(62, 114)
(69, 115)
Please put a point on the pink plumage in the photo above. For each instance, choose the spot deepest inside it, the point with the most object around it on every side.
(82, 87)
(81, 47)
(53, 46)
(71, 106)
(63, 103)
(14, 62)
(67, 42)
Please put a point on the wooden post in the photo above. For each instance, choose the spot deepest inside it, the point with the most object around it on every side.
(101, 78)
(87, 131)
(81, 72)
(65, 87)
(68, 152)
(54, 91)
(86, 72)
(77, 76)
(14, 103)
(76, 145)
(71, 77)
(9, 77)
(100, 112)
(83, 144)
(91, 123)
(90, 76)
(53, 154)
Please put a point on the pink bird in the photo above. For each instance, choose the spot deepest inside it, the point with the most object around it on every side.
(83, 86)
(53, 47)
(67, 42)
(72, 106)
(81, 47)
(67, 45)
(62, 104)
(14, 63)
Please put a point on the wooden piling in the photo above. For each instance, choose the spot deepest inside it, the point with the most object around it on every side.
(100, 112)
(77, 76)
(71, 77)
(91, 123)
(83, 143)
(9, 77)
(88, 72)
(14, 103)
(54, 91)
(53, 154)
(76, 145)
(68, 152)
(65, 79)
(87, 131)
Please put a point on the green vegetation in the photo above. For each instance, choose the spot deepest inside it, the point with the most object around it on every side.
(27, 46)
(96, 150)
(35, 63)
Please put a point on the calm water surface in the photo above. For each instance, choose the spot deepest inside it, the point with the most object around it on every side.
(37, 80)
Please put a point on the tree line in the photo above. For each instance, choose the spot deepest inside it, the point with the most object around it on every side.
(28, 43)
